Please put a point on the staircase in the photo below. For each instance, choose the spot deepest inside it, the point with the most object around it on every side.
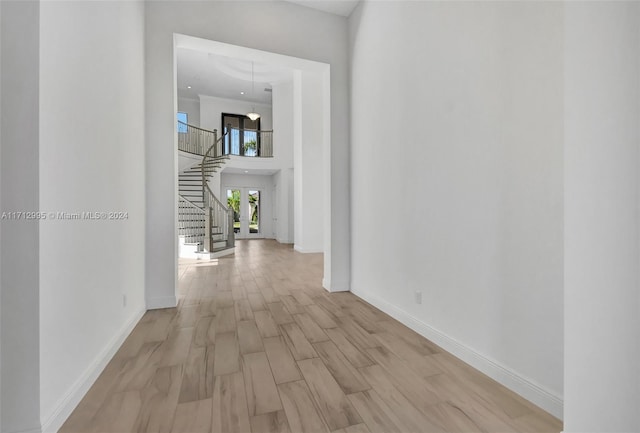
(205, 224)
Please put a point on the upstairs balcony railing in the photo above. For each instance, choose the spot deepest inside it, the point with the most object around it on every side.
(237, 141)
(195, 140)
(248, 142)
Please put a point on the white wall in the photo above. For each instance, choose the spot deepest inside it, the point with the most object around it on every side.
(282, 109)
(602, 291)
(0, 224)
(294, 31)
(192, 108)
(283, 149)
(19, 36)
(91, 159)
(308, 184)
(212, 107)
(457, 180)
(284, 224)
(264, 183)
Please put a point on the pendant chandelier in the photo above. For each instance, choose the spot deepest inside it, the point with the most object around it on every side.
(252, 114)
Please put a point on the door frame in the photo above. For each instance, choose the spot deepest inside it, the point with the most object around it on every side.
(245, 232)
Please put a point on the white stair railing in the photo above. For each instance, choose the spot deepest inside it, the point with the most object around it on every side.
(216, 213)
(191, 221)
(194, 140)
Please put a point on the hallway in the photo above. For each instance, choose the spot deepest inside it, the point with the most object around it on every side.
(257, 345)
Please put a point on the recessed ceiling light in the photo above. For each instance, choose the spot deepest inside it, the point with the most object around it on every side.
(246, 171)
(188, 87)
(242, 93)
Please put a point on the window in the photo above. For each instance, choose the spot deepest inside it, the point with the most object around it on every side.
(243, 138)
(182, 122)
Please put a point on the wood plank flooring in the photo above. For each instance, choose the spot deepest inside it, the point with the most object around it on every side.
(256, 345)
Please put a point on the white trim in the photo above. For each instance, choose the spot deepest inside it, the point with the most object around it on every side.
(204, 255)
(339, 286)
(244, 53)
(223, 99)
(162, 302)
(75, 394)
(526, 388)
(307, 250)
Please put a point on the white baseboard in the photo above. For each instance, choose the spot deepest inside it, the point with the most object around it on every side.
(162, 302)
(507, 377)
(215, 255)
(75, 394)
(307, 250)
(335, 286)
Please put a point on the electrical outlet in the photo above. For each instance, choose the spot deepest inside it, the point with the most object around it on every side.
(418, 297)
(124, 300)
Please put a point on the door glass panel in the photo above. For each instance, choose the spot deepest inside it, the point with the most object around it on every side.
(233, 202)
(251, 124)
(254, 211)
(232, 139)
(251, 139)
(233, 121)
(250, 143)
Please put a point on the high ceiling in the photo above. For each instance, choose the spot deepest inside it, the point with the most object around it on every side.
(337, 7)
(202, 73)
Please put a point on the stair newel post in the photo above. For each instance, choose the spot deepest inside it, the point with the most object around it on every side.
(215, 141)
(231, 235)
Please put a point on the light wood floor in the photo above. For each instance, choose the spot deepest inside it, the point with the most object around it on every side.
(256, 345)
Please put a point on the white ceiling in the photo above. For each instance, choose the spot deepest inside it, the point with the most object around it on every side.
(204, 73)
(226, 77)
(337, 7)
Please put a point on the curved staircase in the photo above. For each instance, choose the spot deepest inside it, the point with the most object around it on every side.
(205, 224)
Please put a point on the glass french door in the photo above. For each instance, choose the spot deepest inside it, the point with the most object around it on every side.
(246, 206)
(241, 135)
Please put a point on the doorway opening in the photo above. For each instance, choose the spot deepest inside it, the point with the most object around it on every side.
(300, 154)
(246, 206)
